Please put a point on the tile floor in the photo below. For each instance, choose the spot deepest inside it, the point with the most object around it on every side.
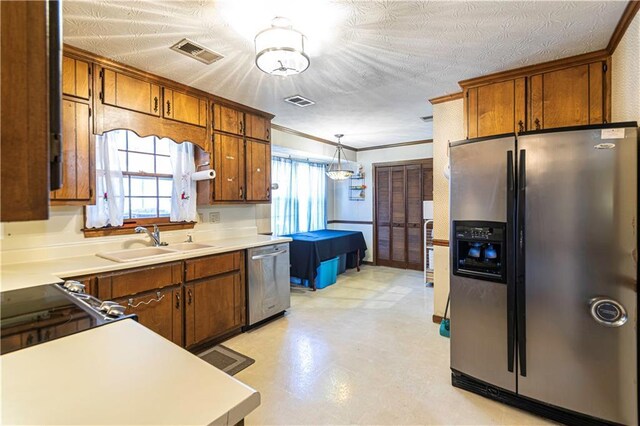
(363, 351)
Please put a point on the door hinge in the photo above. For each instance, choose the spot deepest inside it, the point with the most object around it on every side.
(102, 73)
(90, 193)
(604, 67)
(89, 92)
(89, 68)
(89, 112)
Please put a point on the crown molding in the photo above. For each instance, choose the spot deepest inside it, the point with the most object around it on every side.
(395, 145)
(446, 98)
(627, 17)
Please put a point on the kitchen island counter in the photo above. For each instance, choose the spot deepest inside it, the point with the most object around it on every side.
(120, 373)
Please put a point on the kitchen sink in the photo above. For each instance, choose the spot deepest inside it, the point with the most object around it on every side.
(189, 246)
(131, 255)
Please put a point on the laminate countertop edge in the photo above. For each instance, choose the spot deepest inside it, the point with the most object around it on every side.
(29, 274)
(118, 373)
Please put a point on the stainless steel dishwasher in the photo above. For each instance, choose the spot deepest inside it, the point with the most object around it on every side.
(269, 288)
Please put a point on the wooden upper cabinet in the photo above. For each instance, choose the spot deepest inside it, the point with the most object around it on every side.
(185, 108)
(258, 127)
(229, 165)
(572, 96)
(124, 91)
(24, 126)
(258, 171)
(228, 120)
(76, 77)
(78, 170)
(495, 108)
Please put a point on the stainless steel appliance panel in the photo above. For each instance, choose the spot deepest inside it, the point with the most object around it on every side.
(580, 234)
(269, 291)
(479, 317)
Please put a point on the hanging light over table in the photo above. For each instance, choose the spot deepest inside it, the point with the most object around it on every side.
(336, 170)
(280, 49)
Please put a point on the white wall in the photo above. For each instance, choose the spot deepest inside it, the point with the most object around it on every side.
(447, 127)
(625, 76)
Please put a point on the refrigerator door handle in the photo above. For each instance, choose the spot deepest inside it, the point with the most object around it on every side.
(511, 291)
(521, 265)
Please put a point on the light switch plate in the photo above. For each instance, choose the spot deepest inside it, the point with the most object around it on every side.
(214, 217)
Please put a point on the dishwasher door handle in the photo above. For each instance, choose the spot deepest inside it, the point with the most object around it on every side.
(264, 256)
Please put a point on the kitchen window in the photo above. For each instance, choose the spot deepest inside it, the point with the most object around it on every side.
(136, 180)
(299, 202)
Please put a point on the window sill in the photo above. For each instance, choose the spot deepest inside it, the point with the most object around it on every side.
(129, 228)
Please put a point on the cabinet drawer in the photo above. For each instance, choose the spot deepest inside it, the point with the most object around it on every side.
(136, 281)
(212, 265)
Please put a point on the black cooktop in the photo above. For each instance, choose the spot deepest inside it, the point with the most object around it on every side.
(39, 314)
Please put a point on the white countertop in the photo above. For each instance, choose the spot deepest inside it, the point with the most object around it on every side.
(29, 274)
(120, 373)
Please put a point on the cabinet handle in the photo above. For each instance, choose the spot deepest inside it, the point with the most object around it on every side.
(520, 126)
(189, 297)
(158, 298)
(241, 126)
(268, 133)
(30, 339)
(168, 107)
(537, 122)
(155, 104)
(241, 193)
(268, 192)
(177, 300)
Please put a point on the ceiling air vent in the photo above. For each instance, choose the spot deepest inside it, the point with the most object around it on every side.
(427, 118)
(196, 51)
(299, 101)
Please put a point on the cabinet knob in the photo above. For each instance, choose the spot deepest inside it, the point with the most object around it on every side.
(241, 193)
(155, 104)
(189, 297)
(177, 300)
(168, 108)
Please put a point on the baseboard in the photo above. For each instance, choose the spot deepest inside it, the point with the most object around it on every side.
(367, 262)
(436, 318)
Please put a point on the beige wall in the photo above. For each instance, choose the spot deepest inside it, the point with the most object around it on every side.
(625, 76)
(447, 127)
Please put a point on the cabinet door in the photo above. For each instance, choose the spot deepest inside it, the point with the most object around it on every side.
(75, 77)
(496, 108)
(212, 307)
(398, 216)
(568, 97)
(414, 216)
(383, 216)
(185, 108)
(124, 91)
(78, 173)
(24, 126)
(258, 127)
(228, 120)
(258, 171)
(229, 166)
(159, 311)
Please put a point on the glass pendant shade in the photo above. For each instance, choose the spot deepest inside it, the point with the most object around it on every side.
(280, 49)
(337, 170)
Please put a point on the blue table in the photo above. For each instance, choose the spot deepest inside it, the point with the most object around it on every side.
(308, 249)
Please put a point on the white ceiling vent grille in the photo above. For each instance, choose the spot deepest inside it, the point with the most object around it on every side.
(300, 101)
(196, 51)
(427, 118)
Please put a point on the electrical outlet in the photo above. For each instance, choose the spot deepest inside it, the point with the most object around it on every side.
(214, 217)
(200, 218)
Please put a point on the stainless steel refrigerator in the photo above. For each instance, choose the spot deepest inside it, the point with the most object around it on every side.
(544, 271)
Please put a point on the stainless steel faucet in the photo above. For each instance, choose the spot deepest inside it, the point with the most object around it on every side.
(155, 235)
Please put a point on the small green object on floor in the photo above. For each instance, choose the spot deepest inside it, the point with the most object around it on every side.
(227, 360)
(445, 324)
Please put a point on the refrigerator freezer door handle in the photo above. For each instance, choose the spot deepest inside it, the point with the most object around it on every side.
(520, 265)
(511, 291)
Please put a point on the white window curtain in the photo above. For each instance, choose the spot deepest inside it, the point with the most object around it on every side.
(183, 195)
(109, 207)
(299, 203)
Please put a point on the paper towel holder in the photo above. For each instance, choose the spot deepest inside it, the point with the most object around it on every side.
(203, 165)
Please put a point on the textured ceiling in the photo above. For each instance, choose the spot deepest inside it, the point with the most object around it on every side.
(374, 64)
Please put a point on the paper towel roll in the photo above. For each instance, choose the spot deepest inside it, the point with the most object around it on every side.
(204, 175)
(431, 260)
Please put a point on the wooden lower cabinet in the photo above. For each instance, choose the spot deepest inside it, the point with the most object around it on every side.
(210, 309)
(159, 311)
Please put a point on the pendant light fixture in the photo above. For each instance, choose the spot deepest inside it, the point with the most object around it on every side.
(336, 170)
(280, 49)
